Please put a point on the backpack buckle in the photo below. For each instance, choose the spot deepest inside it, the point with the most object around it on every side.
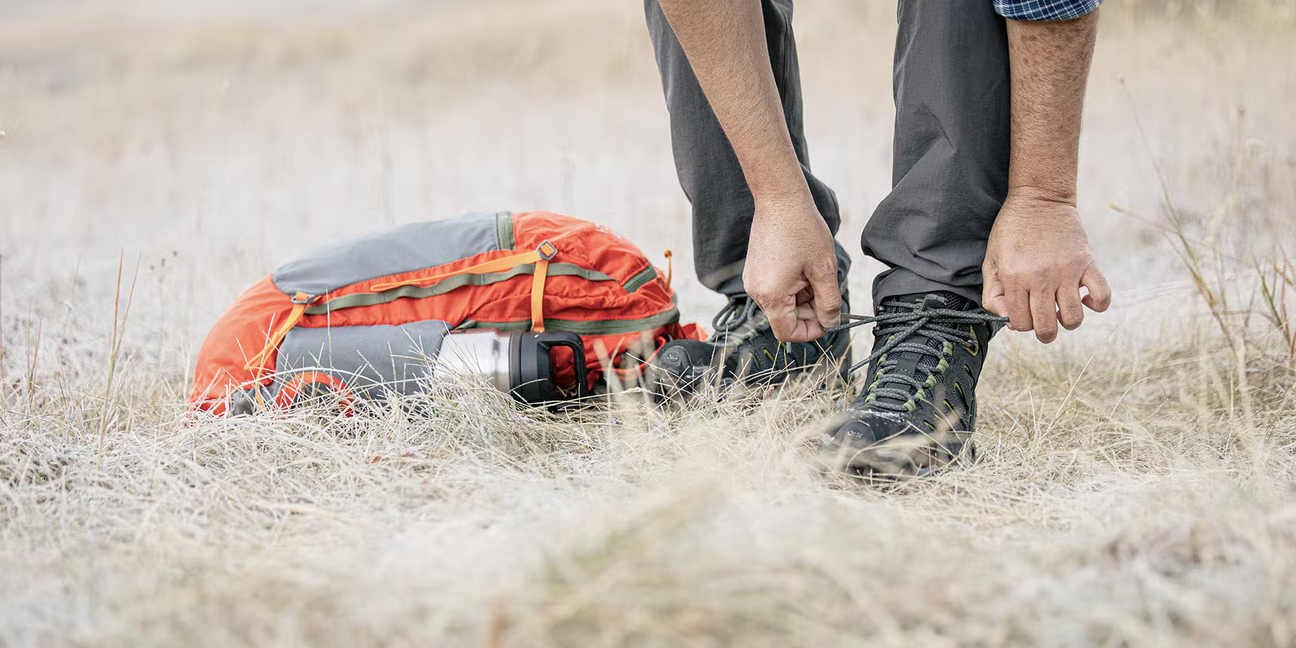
(547, 250)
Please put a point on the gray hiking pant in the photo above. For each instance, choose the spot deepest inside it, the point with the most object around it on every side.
(950, 167)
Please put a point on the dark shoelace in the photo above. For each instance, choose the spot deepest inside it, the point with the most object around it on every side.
(730, 321)
(736, 324)
(738, 310)
(946, 325)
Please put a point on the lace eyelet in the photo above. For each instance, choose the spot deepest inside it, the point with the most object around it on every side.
(975, 347)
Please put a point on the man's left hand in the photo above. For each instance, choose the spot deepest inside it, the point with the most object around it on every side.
(1037, 260)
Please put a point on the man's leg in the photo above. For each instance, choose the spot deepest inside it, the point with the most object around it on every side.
(707, 167)
(918, 411)
(743, 349)
(950, 173)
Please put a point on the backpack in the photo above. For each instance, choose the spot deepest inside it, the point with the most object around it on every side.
(365, 316)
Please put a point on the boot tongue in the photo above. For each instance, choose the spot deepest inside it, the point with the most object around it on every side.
(944, 299)
(908, 362)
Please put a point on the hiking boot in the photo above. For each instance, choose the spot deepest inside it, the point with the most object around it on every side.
(743, 351)
(918, 411)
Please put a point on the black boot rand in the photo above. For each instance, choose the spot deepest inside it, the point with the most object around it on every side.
(918, 408)
(743, 352)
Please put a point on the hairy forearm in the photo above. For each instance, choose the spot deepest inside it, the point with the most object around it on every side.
(1050, 66)
(725, 44)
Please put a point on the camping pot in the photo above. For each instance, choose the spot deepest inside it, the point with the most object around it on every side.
(518, 363)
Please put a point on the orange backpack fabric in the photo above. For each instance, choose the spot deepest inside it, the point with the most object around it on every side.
(410, 285)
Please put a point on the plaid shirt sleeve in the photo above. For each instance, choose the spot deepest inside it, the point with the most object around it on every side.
(1044, 9)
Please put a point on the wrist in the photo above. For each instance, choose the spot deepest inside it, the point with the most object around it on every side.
(787, 200)
(778, 181)
(1059, 193)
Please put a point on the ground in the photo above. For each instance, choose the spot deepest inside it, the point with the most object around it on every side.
(1135, 479)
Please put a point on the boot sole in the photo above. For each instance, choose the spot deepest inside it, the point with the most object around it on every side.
(681, 381)
(906, 455)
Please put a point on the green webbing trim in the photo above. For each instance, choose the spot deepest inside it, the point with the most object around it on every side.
(640, 279)
(449, 284)
(522, 325)
(598, 327)
(573, 270)
(504, 230)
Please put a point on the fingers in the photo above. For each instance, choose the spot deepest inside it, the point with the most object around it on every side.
(803, 315)
(782, 315)
(1043, 308)
(827, 295)
(1099, 297)
(1070, 314)
(1019, 308)
(1041, 305)
(806, 327)
(791, 319)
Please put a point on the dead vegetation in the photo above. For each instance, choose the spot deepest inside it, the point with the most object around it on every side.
(1134, 485)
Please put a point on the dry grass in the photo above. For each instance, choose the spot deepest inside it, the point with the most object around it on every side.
(1135, 481)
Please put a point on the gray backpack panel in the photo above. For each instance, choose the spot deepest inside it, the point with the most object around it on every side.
(402, 249)
(364, 358)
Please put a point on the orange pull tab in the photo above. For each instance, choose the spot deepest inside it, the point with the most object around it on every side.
(537, 296)
(670, 269)
(546, 251)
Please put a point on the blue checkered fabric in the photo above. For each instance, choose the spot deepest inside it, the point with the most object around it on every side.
(1045, 9)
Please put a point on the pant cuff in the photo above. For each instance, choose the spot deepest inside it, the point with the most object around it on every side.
(899, 281)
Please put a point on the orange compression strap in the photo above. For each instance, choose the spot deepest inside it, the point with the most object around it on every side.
(541, 256)
(547, 251)
(300, 301)
(537, 296)
(500, 264)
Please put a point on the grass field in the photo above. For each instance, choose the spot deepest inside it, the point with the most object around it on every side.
(1137, 481)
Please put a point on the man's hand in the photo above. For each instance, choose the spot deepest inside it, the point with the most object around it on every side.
(1038, 256)
(791, 268)
(1037, 260)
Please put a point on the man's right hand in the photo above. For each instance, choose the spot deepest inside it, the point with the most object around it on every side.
(791, 268)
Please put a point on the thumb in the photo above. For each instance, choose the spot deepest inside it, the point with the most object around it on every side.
(1099, 297)
(992, 291)
(827, 294)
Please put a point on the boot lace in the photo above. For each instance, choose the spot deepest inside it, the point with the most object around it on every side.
(898, 322)
(741, 322)
(735, 321)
